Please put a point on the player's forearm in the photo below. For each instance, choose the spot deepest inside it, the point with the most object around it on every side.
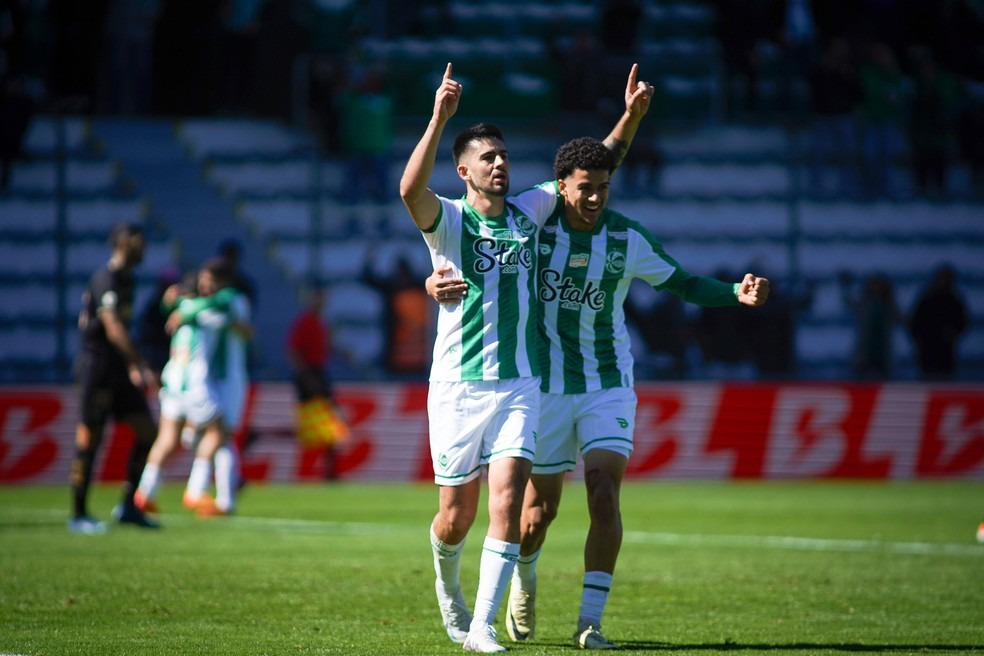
(420, 166)
(621, 136)
(419, 200)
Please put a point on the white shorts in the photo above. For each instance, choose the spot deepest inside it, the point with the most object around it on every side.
(475, 423)
(197, 406)
(570, 423)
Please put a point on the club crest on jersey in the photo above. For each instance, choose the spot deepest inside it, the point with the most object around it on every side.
(524, 225)
(615, 263)
(578, 260)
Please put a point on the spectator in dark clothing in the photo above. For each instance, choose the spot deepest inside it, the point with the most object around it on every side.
(722, 336)
(741, 25)
(883, 104)
(231, 250)
(937, 322)
(876, 315)
(836, 94)
(932, 127)
(153, 340)
(16, 111)
(971, 137)
(409, 320)
(620, 20)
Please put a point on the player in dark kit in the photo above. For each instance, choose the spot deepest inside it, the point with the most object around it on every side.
(113, 378)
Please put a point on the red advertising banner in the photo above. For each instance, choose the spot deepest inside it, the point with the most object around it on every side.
(683, 430)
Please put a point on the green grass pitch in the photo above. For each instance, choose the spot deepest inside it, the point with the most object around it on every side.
(705, 568)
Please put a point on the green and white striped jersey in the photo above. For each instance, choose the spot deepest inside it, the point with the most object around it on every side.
(197, 347)
(583, 279)
(491, 334)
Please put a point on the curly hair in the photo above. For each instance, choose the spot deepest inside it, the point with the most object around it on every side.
(585, 154)
(480, 132)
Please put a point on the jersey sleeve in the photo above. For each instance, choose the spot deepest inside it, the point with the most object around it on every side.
(538, 202)
(661, 271)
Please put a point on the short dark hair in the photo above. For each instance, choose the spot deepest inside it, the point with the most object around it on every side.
(480, 132)
(123, 231)
(584, 154)
(220, 268)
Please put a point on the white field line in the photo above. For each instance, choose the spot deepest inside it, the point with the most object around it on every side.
(792, 543)
(805, 544)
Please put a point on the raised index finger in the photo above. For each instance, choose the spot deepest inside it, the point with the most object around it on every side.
(447, 72)
(631, 84)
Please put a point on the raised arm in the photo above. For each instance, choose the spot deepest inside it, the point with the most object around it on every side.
(638, 95)
(421, 202)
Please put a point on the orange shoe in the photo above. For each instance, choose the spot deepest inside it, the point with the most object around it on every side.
(192, 503)
(210, 509)
(144, 504)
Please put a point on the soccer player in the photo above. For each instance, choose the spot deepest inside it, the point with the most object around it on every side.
(588, 257)
(484, 383)
(113, 379)
(193, 379)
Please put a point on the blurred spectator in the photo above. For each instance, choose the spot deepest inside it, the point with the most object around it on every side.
(796, 36)
(14, 18)
(971, 138)
(722, 334)
(185, 51)
(309, 354)
(130, 28)
(620, 20)
(408, 318)
(580, 62)
(882, 105)
(79, 30)
(665, 331)
(239, 27)
(876, 316)
(326, 78)
(836, 94)
(641, 170)
(280, 40)
(17, 109)
(938, 320)
(153, 340)
(231, 250)
(932, 127)
(773, 329)
(366, 113)
(741, 25)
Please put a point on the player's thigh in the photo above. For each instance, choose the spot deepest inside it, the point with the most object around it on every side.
(556, 446)
(606, 420)
(511, 431)
(458, 414)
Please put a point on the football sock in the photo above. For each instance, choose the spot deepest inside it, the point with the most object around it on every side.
(199, 478)
(497, 564)
(594, 596)
(81, 475)
(150, 480)
(447, 563)
(226, 473)
(525, 573)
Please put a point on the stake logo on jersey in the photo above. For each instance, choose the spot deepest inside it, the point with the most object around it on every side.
(554, 286)
(502, 250)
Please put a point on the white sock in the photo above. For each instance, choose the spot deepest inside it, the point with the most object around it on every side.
(199, 478)
(226, 476)
(497, 564)
(150, 480)
(525, 573)
(594, 596)
(447, 563)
